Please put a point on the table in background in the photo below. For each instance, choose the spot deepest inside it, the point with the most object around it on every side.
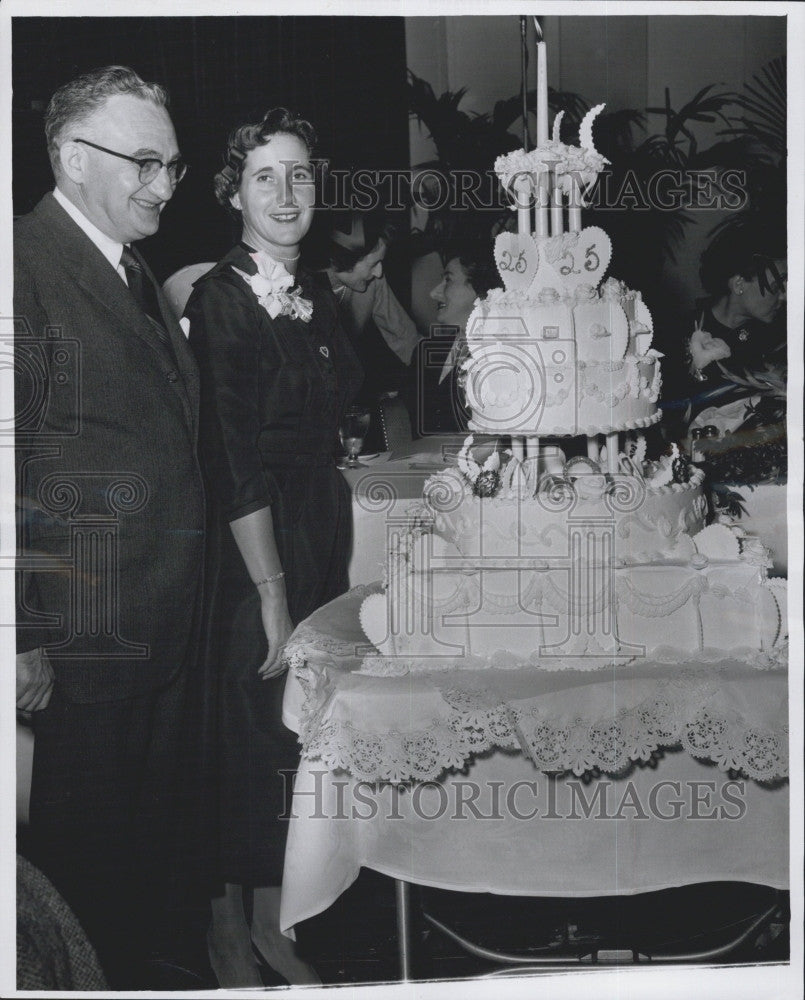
(389, 761)
(382, 489)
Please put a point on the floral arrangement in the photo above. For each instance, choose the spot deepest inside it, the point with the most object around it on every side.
(755, 449)
(749, 458)
(669, 469)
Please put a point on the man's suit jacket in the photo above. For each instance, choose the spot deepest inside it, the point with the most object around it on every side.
(108, 483)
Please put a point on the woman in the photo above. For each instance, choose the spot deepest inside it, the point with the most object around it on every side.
(738, 327)
(356, 247)
(468, 275)
(277, 372)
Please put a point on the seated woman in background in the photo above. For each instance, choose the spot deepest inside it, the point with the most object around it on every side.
(740, 325)
(469, 273)
(357, 244)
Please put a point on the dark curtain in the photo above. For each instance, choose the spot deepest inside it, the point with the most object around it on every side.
(345, 74)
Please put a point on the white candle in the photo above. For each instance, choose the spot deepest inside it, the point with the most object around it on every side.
(556, 206)
(522, 192)
(541, 210)
(542, 94)
(574, 211)
(532, 447)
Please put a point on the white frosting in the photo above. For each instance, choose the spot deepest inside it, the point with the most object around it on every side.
(516, 523)
(581, 568)
(580, 571)
(445, 602)
(561, 360)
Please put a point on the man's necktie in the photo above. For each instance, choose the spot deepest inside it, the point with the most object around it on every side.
(144, 292)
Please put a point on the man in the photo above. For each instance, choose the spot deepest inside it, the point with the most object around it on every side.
(112, 510)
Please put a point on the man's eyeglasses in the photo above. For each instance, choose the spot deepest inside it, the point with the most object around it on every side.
(149, 166)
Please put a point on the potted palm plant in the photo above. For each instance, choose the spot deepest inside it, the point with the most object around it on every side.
(752, 139)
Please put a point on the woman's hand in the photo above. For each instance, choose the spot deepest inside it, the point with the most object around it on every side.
(705, 349)
(254, 535)
(278, 628)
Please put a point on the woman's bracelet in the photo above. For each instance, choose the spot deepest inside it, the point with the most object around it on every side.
(271, 579)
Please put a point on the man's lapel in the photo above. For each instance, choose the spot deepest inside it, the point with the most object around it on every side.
(93, 272)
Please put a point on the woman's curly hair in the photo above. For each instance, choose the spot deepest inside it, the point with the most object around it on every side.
(245, 138)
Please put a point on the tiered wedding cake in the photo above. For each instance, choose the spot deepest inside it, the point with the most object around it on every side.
(519, 557)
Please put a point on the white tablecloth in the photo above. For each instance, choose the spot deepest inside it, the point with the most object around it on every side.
(628, 747)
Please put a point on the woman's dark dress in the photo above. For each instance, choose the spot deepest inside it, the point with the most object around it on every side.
(272, 394)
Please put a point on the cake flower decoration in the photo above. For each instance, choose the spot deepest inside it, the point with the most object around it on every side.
(585, 477)
(271, 285)
(670, 469)
(485, 479)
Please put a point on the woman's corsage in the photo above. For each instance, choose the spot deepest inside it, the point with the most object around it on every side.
(271, 285)
(701, 349)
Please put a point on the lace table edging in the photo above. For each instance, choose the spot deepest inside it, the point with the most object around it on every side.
(608, 745)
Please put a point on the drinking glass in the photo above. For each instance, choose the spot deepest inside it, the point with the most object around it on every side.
(353, 430)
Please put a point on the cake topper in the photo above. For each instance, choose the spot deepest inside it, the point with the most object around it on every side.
(557, 124)
(586, 128)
